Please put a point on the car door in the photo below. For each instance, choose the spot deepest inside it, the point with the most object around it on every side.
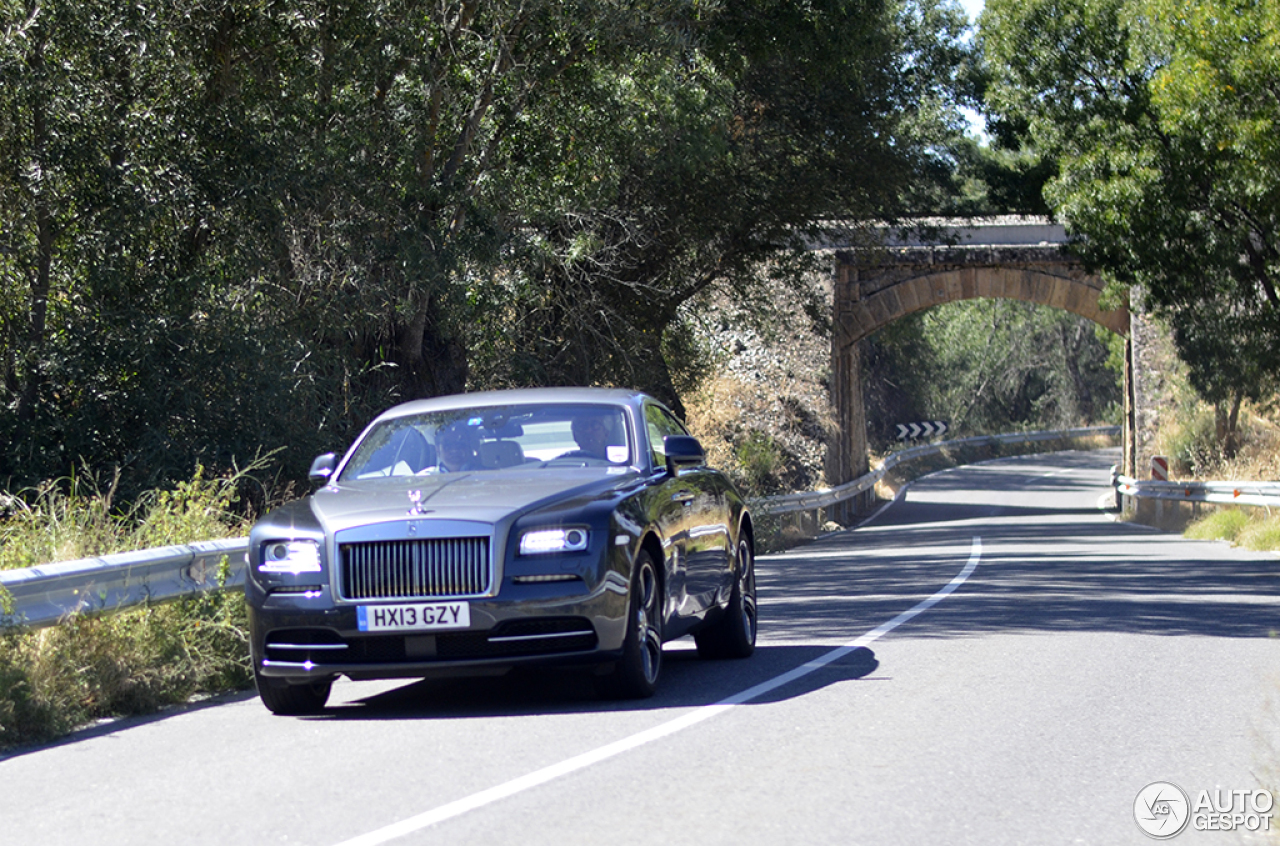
(689, 505)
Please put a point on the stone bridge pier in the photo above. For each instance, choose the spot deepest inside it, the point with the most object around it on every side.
(874, 286)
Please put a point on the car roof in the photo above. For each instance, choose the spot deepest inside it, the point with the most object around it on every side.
(518, 396)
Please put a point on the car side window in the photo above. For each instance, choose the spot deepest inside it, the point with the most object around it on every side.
(660, 423)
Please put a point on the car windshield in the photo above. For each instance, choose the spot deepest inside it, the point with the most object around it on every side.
(489, 438)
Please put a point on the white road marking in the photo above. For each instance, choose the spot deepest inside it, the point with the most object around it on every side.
(706, 712)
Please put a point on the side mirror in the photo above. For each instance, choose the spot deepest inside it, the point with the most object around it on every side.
(683, 451)
(322, 468)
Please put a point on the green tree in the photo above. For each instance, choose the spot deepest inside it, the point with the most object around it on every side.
(233, 223)
(988, 366)
(774, 119)
(227, 224)
(1160, 118)
(100, 230)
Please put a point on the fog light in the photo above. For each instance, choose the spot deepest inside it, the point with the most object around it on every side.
(305, 591)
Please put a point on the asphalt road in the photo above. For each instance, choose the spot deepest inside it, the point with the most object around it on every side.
(990, 660)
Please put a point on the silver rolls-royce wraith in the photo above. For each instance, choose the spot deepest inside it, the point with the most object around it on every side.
(474, 533)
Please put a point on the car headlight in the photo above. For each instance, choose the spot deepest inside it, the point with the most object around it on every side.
(290, 557)
(542, 541)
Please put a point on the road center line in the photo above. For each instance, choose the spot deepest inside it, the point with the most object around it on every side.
(706, 712)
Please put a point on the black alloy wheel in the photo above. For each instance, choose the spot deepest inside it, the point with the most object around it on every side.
(636, 675)
(734, 634)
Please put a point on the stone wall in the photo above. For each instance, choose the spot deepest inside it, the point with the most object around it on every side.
(1155, 361)
(875, 287)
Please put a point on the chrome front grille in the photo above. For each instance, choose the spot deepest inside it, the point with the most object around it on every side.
(415, 569)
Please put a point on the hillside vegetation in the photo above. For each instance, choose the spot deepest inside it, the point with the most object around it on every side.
(228, 228)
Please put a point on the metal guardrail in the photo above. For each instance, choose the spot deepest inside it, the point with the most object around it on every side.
(41, 596)
(1262, 494)
(812, 500)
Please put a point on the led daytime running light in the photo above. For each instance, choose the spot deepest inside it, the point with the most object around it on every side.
(541, 541)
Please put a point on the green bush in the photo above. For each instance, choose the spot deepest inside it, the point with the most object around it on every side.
(760, 460)
(1261, 535)
(136, 661)
(1193, 445)
(1225, 524)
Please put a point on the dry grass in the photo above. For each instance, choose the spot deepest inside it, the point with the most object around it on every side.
(769, 441)
(715, 416)
(1189, 439)
(56, 679)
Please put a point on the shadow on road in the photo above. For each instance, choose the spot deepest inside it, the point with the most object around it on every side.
(1049, 565)
(687, 682)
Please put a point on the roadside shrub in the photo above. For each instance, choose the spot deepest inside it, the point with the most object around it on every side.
(761, 462)
(1261, 535)
(1224, 524)
(1192, 445)
(1239, 527)
(67, 519)
(59, 521)
(55, 679)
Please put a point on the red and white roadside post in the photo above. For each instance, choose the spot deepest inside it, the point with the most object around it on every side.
(1159, 468)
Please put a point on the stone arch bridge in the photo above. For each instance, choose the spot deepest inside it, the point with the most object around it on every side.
(1011, 258)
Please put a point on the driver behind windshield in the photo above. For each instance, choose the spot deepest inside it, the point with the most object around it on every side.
(456, 450)
(591, 432)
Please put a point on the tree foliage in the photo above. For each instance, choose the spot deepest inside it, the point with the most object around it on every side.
(1160, 117)
(787, 115)
(234, 224)
(987, 366)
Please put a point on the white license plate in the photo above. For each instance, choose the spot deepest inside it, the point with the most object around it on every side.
(413, 617)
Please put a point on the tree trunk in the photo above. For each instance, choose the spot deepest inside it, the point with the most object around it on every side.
(1071, 346)
(655, 375)
(432, 359)
(32, 366)
(37, 326)
(1226, 425)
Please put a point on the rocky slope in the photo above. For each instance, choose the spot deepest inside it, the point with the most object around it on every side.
(764, 413)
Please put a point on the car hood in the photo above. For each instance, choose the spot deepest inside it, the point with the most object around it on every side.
(488, 496)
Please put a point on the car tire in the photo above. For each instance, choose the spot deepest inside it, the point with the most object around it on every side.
(291, 700)
(733, 635)
(636, 674)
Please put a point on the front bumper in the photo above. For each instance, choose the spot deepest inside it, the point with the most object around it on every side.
(300, 644)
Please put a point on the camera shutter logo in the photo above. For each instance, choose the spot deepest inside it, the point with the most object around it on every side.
(1162, 810)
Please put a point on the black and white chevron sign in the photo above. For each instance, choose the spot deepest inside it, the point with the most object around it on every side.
(927, 429)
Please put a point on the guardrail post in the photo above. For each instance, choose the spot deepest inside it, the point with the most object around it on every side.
(837, 512)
